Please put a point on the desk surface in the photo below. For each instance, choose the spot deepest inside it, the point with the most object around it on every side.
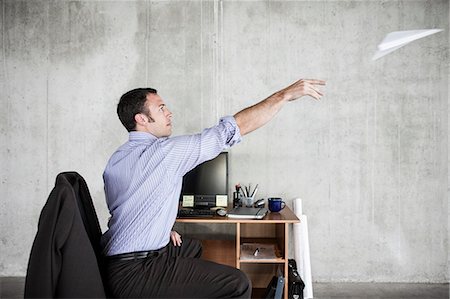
(284, 216)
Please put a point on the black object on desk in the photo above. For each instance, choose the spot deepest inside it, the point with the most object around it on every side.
(189, 213)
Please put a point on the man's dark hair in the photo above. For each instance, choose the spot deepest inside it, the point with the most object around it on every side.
(132, 103)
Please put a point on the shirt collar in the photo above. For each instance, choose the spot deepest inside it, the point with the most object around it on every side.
(141, 136)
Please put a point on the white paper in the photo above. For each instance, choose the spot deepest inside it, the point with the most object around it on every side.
(398, 39)
(380, 54)
(298, 206)
(252, 251)
(301, 249)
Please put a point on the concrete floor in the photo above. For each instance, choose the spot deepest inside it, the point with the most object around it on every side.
(12, 287)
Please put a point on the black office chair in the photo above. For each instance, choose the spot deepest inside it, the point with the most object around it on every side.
(65, 259)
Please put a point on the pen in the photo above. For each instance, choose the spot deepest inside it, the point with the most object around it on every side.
(254, 191)
(256, 252)
(241, 191)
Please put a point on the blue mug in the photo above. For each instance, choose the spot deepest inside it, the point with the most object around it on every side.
(276, 204)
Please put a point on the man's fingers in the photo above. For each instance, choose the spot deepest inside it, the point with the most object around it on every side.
(315, 81)
(316, 90)
(305, 87)
(176, 241)
(315, 95)
(176, 238)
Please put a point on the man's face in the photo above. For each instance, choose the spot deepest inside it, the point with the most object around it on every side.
(160, 118)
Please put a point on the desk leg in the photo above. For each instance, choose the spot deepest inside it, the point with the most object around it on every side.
(286, 257)
(238, 245)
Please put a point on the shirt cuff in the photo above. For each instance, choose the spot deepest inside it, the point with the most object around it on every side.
(232, 130)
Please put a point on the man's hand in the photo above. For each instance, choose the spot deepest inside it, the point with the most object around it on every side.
(254, 117)
(302, 88)
(176, 238)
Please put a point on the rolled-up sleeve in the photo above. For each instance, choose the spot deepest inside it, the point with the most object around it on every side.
(183, 153)
(232, 130)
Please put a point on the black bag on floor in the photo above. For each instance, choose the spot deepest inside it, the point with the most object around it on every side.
(295, 282)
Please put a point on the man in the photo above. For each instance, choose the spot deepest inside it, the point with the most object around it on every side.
(142, 185)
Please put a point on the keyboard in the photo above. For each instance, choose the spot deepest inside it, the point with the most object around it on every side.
(188, 213)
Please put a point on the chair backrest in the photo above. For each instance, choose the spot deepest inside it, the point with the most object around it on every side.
(88, 215)
(87, 210)
(65, 259)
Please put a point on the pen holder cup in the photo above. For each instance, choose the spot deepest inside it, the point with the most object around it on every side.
(248, 201)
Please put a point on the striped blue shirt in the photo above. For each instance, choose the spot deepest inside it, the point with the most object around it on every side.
(143, 181)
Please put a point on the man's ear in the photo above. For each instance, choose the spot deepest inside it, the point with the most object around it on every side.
(140, 119)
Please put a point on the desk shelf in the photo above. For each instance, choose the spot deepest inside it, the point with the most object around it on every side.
(263, 261)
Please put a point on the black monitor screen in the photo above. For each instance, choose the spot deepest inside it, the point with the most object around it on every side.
(207, 179)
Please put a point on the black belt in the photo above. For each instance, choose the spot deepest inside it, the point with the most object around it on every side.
(137, 255)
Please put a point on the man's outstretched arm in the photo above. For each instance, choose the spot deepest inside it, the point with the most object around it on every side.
(254, 117)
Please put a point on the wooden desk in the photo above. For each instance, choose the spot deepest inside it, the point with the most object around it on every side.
(272, 230)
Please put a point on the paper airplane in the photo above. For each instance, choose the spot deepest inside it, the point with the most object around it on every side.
(398, 39)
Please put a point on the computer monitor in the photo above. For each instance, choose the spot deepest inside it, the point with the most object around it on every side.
(206, 185)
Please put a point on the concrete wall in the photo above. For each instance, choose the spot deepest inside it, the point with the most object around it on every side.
(370, 160)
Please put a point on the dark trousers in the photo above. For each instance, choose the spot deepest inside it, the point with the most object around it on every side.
(176, 273)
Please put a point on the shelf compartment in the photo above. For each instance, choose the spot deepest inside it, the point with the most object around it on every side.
(261, 274)
(269, 251)
(220, 251)
(271, 233)
(259, 293)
